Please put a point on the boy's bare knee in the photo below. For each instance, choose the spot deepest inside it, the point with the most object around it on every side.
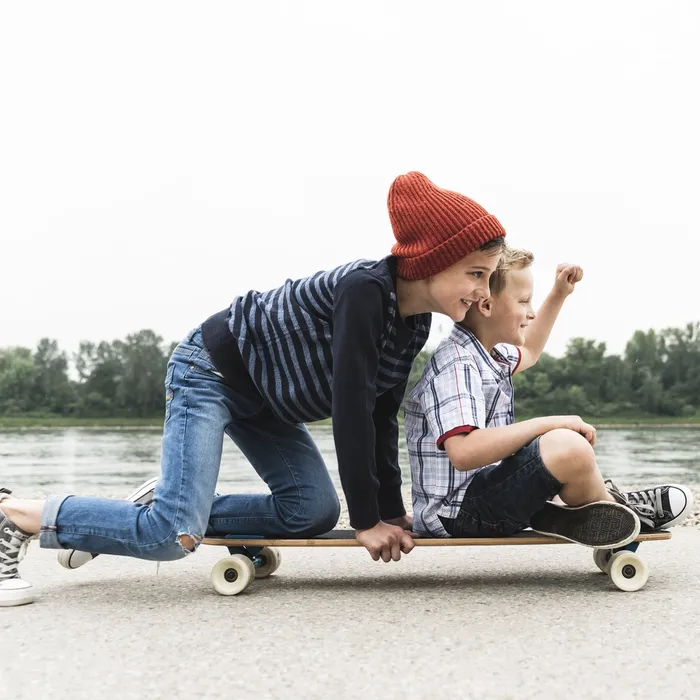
(566, 454)
(188, 542)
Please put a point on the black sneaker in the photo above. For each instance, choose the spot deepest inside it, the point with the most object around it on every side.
(658, 507)
(602, 524)
(74, 558)
(13, 545)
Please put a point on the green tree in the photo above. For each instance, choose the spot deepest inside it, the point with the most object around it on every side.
(141, 391)
(680, 375)
(100, 372)
(644, 356)
(53, 392)
(17, 381)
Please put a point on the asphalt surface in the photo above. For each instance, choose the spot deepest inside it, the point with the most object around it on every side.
(448, 622)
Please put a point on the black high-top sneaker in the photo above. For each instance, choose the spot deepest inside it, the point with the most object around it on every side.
(74, 558)
(602, 524)
(13, 545)
(658, 507)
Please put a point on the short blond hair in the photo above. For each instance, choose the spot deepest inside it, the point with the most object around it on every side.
(511, 259)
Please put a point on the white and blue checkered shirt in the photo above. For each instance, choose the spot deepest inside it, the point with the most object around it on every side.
(462, 388)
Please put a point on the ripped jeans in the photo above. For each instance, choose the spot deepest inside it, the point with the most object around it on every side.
(200, 409)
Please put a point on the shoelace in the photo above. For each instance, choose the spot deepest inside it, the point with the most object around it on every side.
(12, 551)
(650, 498)
(639, 505)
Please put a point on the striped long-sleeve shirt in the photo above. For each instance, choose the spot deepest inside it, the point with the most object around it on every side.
(334, 345)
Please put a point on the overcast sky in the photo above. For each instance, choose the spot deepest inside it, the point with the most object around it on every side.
(158, 158)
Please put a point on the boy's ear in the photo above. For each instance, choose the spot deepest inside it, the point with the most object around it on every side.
(485, 307)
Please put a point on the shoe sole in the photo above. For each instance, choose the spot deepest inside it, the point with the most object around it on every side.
(602, 525)
(74, 558)
(11, 599)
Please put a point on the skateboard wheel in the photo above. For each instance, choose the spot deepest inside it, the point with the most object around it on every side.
(602, 557)
(270, 558)
(628, 571)
(232, 575)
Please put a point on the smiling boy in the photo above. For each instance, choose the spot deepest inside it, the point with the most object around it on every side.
(476, 473)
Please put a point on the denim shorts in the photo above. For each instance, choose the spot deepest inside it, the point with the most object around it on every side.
(500, 500)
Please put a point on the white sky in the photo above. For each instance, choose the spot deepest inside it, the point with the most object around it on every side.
(158, 158)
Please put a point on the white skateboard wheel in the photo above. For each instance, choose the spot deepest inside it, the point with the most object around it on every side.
(232, 575)
(601, 557)
(628, 571)
(272, 558)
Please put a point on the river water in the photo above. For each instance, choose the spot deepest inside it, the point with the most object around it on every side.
(111, 462)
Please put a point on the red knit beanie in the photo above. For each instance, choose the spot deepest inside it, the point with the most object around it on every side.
(434, 228)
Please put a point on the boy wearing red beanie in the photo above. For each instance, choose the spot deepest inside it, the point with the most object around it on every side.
(339, 343)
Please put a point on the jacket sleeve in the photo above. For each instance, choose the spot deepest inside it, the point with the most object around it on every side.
(386, 427)
(358, 318)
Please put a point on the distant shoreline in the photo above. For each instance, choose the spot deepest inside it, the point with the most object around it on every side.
(26, 422)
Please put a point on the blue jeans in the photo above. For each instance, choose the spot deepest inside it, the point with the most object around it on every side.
(200, 408)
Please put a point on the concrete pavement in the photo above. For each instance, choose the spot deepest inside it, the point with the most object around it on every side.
(476, 622)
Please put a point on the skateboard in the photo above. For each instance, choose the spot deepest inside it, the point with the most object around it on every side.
(255, 557)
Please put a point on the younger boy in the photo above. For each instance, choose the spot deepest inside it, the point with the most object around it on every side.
(478, 474)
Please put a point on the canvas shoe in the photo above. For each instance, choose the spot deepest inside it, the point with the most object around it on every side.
(658, 507)
(601, 524)
(74, 558)
(13, 546)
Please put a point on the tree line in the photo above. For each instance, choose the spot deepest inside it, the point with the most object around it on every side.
(124, 378)
(657, 375)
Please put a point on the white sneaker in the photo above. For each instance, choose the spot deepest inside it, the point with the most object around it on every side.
(13, 546)
(74, 558)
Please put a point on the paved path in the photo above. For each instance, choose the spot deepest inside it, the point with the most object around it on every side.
(487, 623)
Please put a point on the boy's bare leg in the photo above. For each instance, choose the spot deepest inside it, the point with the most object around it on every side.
(571, 460)
(24, 513)
(593, 517)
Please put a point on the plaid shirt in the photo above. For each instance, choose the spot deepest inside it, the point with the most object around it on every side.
(462, 388)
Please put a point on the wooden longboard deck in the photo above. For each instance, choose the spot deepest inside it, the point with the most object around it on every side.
(346, 538)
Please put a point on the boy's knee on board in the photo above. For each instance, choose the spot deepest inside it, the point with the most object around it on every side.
(566, 453)
(328, 516)
(325, 516)
(317, 518)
